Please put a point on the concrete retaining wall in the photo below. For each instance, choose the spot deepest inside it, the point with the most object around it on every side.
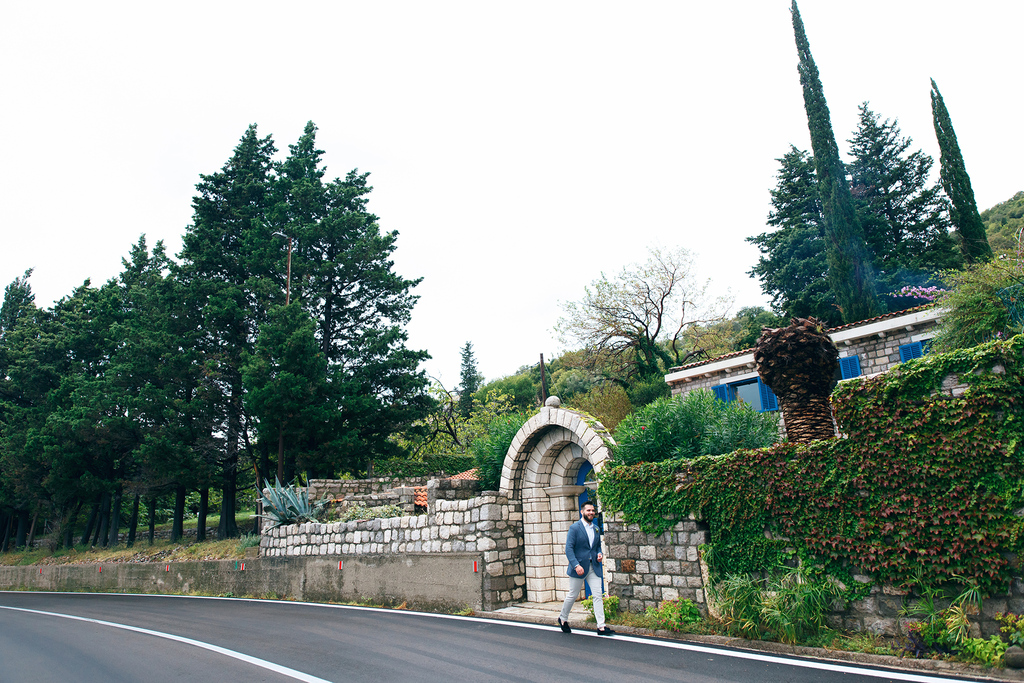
(448, 582)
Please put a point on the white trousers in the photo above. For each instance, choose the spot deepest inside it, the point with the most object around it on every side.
(575, 586)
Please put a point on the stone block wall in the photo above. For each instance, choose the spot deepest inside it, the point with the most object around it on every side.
(489, 524)
(644, 569)
(880, 352)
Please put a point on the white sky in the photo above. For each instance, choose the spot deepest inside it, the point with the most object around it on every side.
(519, 148)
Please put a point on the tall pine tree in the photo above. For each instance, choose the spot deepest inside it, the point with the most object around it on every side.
(793, 268)
(229, 280)
(850, 275)
(469, 380)
(957, 185)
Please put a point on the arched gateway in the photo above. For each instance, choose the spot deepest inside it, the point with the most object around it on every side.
(544, 469)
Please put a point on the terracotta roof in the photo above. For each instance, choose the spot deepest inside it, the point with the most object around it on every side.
(868, 321)
(420, 496)
(468, 474)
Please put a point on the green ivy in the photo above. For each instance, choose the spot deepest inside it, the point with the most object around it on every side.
(922, 487)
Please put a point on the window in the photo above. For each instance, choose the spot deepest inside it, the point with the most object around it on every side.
(753, 392)
(914, 350)
(849, 367)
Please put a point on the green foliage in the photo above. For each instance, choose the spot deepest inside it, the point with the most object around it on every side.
(609, 602)
(789, 606)
(976, 312)
(609, 403)
(673, 615)
(490, 449)
(1012, 627)
(288, 505)
(522, 389)
(428, 466)
(849, 273)
(957, 185)
(921, 488)
(1003, 223)
(469, 380)
(361, 512)
(689, 426)
(646, 390)
(248, 541)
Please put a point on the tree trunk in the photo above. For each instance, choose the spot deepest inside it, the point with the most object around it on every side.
(178, 525)
(8, 524)
(227, 527)
(32, 532)
(23, 522)
(91, 523)
(133, 523)
(152, 519)
(808, 419)
(101, 531)
(204, 503)
(69, 530)
(115, 518)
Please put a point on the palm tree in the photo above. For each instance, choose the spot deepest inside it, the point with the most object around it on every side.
(799, 363)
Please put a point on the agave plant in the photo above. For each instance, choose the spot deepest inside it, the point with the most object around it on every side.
(288, 505)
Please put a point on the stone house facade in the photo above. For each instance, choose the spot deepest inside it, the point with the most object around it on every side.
(866, 348)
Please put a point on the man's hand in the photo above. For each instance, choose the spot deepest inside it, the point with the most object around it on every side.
(600, 558)
(579, 570)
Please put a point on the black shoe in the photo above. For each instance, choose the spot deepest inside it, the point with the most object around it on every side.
(564, 625)
(605, 631)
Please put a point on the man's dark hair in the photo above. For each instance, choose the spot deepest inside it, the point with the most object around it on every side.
(590, 503)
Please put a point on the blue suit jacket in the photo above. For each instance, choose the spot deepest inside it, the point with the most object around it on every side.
(579, 551)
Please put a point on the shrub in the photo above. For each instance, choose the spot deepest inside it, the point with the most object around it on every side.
(607, 402)
(361, 512)
(689, 426)
(611, 606)
(788, 606)
(647, 391)
(674, 615)
(489, 450)
(977, 311)
(430, 465)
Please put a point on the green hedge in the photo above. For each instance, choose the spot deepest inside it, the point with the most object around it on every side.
(922, 488)
(429, 466)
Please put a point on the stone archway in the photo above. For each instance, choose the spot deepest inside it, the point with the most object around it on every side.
(540, 471)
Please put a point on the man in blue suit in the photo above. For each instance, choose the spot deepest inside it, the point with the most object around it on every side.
(583, 550)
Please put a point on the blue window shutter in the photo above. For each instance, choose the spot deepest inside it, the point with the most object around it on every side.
(850, 366)
(721, 392)
(909, 351)
(768, 399)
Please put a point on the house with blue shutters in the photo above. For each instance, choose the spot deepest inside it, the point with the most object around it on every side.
(866, 348)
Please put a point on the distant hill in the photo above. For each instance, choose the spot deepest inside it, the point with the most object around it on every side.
(1003, 222)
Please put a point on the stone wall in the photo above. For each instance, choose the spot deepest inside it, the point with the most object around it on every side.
(488, 524)
(881, 351)
(445, 583)
(644, 569)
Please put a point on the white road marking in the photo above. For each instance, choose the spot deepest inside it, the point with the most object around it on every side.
(676, 645)
(262, 663)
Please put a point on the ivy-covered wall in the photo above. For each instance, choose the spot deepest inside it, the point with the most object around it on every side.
(924, 488)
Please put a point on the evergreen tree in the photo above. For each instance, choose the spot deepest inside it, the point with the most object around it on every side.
(285, 380)
(361, 306)
(470, 380)
(957, 185)
(793, 267)
(902, 214)
(229, 280)
(849, 270)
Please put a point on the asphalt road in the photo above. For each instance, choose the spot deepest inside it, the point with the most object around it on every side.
(137, 639)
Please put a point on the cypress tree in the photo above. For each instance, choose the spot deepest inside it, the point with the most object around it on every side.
(957, 185)
(849, 272)
(470, 380)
